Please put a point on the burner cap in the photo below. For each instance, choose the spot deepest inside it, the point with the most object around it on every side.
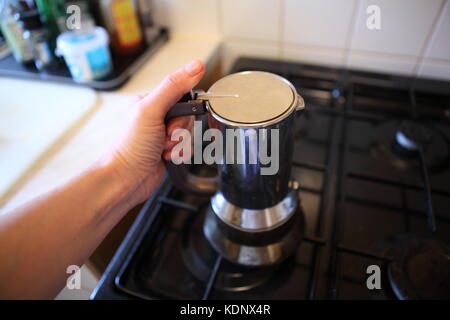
(420, 269)
(397, 142)
(411, 135)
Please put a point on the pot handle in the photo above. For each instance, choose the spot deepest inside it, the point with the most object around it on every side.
(178, 173)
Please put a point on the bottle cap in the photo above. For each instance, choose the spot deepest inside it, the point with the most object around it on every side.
(30, 19)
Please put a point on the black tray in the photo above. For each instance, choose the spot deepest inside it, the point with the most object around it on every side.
(124, 68)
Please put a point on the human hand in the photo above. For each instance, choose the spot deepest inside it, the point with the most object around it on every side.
(137, 158)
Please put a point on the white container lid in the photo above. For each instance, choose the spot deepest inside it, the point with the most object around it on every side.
(70, 42)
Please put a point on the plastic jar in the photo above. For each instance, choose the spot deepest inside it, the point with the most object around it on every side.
(86, 53)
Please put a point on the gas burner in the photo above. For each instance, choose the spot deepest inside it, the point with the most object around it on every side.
(200, 258)
(412, 135)
(419, 269)
(399, 141)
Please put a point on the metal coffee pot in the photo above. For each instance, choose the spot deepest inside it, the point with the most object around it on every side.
(254, 217)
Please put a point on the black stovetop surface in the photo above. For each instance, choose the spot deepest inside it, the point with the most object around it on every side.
(365, 203)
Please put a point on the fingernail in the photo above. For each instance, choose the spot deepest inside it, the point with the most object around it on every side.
(193, 67)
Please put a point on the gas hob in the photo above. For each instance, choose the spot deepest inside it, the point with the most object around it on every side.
(372, 157)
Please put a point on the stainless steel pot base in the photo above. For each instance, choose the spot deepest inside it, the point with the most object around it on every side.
(251, 249)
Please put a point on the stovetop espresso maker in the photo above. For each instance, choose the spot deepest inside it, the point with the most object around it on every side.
(254, 217)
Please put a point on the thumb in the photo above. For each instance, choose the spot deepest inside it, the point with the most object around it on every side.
(172, 88)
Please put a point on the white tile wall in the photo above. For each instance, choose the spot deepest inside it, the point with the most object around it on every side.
(379, 62)
(434, 69)
(251, 19)
(321, 23)
(188, 18)
(414, 38)
(233, 49)
(405, 25)
(313, 54)
(440, 41)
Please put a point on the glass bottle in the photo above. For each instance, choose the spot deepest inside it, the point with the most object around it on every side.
(53, 16)
(149, 28)
(13, 33)
(121, 20)
(36, 36)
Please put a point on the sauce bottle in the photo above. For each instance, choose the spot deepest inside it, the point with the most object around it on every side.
(53, 15)
(121, 20)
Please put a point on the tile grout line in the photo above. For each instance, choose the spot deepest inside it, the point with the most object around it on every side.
(281, 30)
(253, 40)
(297, 46)
(351, 32)
(221, 29)
(219, 12)
(437, 21)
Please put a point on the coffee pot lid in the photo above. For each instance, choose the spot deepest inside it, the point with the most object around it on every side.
(252, 97)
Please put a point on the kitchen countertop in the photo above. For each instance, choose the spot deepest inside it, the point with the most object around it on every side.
(82, 145)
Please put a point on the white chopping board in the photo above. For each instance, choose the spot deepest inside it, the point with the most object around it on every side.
(33, 117)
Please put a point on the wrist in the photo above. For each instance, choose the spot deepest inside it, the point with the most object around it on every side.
(113, 177)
